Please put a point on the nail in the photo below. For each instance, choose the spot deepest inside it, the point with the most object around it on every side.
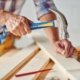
(63, 52)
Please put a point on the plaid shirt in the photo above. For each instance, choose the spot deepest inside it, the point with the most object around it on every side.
(42, 6)
(16, 5)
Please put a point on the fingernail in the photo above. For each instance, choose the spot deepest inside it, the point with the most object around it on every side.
(63, 52)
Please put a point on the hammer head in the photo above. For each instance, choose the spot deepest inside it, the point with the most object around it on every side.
(62, 23)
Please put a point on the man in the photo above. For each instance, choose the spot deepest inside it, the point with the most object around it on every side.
(19, 25)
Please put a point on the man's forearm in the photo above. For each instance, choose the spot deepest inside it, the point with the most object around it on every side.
(5, 15)
(44, 14)
(52, 33)
(2, 17)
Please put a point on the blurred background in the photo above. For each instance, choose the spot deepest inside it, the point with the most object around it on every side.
(71, 10)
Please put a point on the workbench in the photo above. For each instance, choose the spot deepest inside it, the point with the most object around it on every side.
(38, 56)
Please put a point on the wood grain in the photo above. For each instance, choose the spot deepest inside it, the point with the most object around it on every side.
(8, 55)
(44, 74)
(67, 65)
(38, 62)
(11, 66)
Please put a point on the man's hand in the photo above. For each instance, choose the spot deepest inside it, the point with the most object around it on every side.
(64, 47)
(18, 25)
(60, 46)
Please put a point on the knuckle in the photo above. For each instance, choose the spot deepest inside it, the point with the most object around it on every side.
(23, 18)
(70, 43)
(16, 28)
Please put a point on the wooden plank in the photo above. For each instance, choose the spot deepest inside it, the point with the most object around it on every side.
(78, 58)
(44, 44)
(75, 74)
(78, 50)
(38, 62)
(11, 66)
(44, 74)
(8, 54)
(56, 73)
(65, 64)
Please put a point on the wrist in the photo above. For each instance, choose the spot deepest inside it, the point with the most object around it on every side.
(11, 18)
(4, 16)
(7, 16)
(53, 40)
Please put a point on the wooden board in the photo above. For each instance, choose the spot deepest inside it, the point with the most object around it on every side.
(8, 55)
(56, 73)
(78, 50)
(67, 65)
(23, 61)
(38, 62)
(44, 74)
(74, 75)
(10, 66)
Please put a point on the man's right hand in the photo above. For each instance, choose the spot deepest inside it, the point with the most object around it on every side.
(18, 25)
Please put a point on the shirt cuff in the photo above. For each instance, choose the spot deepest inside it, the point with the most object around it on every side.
(42, 7)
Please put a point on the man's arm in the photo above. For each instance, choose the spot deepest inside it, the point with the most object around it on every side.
(16, 24)
(44, 14)
(2, 17)
(5, 16)
(52, 33)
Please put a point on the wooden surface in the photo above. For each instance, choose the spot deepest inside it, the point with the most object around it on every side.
(78, 50)
(56, 73)
(67, 65)
(10, 66)
(44, 74)
(8, 55)
(39, 61)
(35, 64)
(36, 57)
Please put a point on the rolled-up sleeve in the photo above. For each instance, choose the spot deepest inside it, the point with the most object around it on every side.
(42, 6)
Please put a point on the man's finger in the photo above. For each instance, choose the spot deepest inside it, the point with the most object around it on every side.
(74, 51)
(17, 32)
(60, 49)
(26, 26)
(14, 32)
(70, 52)
(22, 30)
(67, 48)
(30, 22)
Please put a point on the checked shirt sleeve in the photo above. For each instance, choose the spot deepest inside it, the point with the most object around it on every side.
(42, 6)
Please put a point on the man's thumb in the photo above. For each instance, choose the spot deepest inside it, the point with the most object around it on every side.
(61, 50)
